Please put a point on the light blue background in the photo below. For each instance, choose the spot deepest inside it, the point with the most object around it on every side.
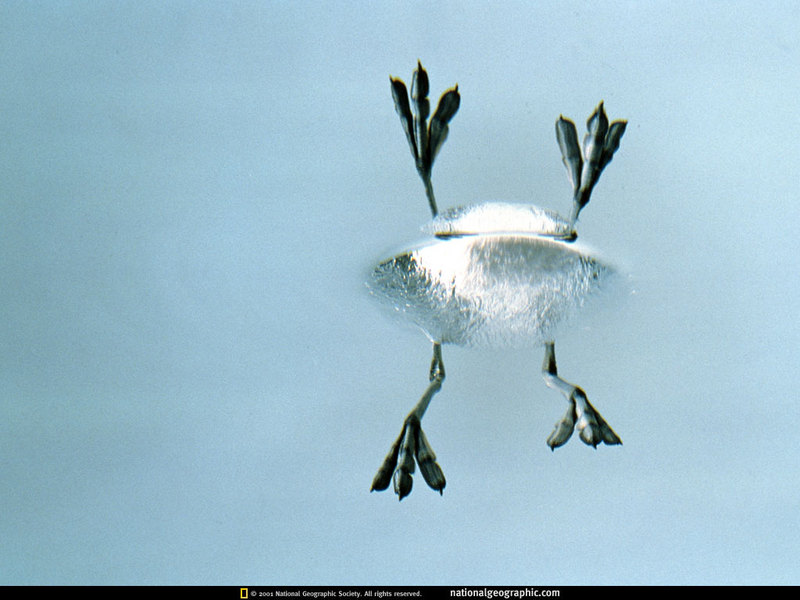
(195, 388)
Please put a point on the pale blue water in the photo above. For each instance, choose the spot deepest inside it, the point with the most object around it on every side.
(195, 387)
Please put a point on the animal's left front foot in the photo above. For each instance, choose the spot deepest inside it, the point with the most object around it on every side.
(399, 463)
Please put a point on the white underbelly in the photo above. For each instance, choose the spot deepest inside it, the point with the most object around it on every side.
(489, 289)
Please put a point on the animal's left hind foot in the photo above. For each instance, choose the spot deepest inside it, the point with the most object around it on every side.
(581, 415)
(397, 467)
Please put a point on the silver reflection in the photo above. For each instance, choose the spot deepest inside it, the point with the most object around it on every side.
(489, 289)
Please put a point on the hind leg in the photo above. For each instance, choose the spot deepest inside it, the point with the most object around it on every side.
(412, 444)
(591, 426)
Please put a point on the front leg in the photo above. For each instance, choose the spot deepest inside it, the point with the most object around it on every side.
(599, 145)
(424, 138)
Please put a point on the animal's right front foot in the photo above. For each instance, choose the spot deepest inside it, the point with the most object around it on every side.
(599, 146)
(398, 465)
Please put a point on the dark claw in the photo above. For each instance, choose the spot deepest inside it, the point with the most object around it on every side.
(563, 430)
(430, 469)
(405, 459)
(593, 428)
(567, 136)
(448, 105)
(611, 145)
(438, 129)
(433, 475)
(383, 477)
(403, 108)
(421, 109)
(607, 435)
(588, 437)
(402, 483)
(419, 83)
(409, 449)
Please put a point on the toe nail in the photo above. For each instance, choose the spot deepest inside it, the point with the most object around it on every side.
(402, 483)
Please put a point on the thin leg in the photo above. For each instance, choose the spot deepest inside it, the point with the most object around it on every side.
(412, 443)
(599, 145)
(592, 428)
(426, 179)
(425, 137)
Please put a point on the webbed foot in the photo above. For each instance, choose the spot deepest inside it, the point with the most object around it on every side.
(581, 415)
(412, 446)
(584, 166)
